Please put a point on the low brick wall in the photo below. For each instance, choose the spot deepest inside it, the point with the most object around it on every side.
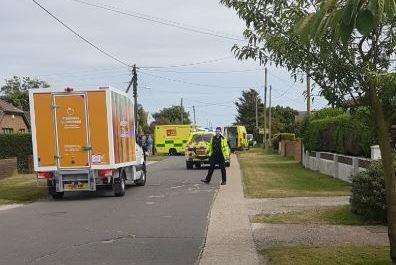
(291, 149)
(7, 167)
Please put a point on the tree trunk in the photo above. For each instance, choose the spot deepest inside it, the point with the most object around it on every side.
(389, 170)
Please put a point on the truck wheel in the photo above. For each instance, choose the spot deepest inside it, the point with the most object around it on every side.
(189, 165)
(55, 195)
(142, 180)
(119, 186)
(198, 165)
(52, 191)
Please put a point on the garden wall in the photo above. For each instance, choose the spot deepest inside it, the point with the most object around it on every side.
(290, 148)
(7, 167)
(338, 166)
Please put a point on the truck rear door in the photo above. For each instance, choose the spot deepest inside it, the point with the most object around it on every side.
(73, 148)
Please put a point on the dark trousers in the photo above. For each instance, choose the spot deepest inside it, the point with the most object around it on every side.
(217, 161)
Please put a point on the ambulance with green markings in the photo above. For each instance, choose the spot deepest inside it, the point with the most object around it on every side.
(171, 139)
(197, 152)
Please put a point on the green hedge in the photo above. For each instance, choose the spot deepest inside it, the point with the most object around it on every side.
(17, 145)
(281, 136)
(344, 133)
(368, 193)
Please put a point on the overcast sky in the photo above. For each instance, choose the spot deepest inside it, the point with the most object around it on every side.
(33, 44)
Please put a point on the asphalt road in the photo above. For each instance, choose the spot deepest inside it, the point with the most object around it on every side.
(162, 223)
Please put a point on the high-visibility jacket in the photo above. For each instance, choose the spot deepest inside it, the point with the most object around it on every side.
(225, 149)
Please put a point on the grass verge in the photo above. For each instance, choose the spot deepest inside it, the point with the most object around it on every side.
(345, 255)
(21, 189)
(340, 215)
(267, 175)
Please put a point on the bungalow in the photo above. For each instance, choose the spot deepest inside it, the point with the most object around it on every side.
(12, 119)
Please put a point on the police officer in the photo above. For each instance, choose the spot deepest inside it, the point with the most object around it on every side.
(218, 151)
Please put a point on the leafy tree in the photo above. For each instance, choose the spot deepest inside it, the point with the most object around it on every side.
(283, 120)
(246, 110)
(171, 115)
(143, 126)
(16, 90)
(343, 45)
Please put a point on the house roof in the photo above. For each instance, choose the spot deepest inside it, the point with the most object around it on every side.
(9, 108)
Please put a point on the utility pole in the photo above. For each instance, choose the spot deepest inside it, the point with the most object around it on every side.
(257, 123)
(134, 84)
(308, 95)
(270, 115)
(195, 121)
(265, 108)
(181, 111)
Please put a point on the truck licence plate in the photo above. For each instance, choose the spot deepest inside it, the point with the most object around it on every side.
(76, 186)
(201, 152)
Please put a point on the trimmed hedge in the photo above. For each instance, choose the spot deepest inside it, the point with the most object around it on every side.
(19, 146)
(281, 136)
(368, 193)
(344, 133)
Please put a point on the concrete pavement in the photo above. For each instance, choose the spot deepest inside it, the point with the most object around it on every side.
(162, 223)
(229, 239)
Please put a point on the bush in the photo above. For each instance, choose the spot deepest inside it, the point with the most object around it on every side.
(19, 146)
(344, 133)
(368, 193)
(281, 136)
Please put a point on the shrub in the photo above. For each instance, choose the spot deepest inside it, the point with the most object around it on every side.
(281, 136)
(368, 193)
(344, 133)
(19, 146)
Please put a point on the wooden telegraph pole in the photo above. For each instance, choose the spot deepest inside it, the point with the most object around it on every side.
(195, 121)
(270, 116)
(181, 111)
(265, 107)
(134, 84)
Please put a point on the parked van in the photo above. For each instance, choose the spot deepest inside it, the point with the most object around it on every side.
(171, 139)
(84, 139)
(237, 137)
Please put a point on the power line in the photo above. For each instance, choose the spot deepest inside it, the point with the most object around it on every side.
(208, 72)
(190, 83)
(157, 20)
(188, 64)
(101, 50)
(152, 68)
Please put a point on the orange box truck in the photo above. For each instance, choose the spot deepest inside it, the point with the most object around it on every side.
(84, 139)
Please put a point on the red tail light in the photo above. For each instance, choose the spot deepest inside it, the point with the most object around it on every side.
(104, 173)
(45, 175)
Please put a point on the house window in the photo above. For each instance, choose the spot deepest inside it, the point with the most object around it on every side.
(8, 130)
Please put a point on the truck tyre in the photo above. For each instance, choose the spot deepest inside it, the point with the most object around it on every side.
(142, 180)
(189, 165)
(198, 165)
(119, 186)
(52, 191)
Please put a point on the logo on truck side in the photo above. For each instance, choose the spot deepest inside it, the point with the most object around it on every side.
(71, 121)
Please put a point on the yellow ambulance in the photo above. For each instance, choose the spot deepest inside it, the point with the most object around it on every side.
(237, 137)
(171, 139)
